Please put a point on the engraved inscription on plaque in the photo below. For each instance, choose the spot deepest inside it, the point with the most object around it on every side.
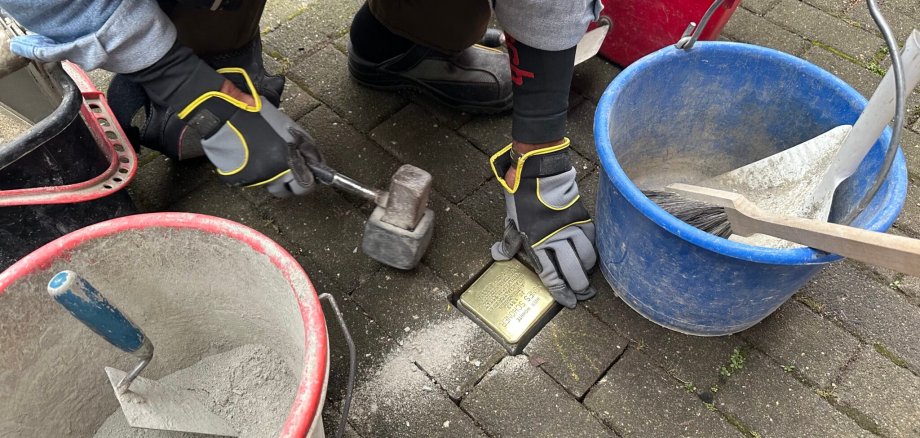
(509, 298)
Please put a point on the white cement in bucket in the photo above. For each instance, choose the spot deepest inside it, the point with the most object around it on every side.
(195, 294)
(248, 386)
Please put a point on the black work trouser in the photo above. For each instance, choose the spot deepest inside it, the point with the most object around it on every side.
(446, 25)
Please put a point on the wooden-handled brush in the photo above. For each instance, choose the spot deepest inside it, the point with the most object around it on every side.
(901, 254)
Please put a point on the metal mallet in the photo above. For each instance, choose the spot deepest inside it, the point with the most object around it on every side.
(399, 230)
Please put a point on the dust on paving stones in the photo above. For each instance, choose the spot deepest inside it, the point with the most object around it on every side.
(397, 385)
(251, 386)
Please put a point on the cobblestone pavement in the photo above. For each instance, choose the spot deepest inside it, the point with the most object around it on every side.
(841, 358)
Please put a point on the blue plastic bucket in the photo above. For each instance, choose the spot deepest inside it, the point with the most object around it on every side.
(679, 115)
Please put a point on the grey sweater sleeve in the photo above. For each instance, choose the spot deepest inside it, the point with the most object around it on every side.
(547, 24)
(115, 35)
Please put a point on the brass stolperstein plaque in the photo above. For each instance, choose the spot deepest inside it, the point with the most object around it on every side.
(510, 302)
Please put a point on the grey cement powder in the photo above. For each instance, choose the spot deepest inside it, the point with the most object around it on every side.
(11, 127)
(250, 386)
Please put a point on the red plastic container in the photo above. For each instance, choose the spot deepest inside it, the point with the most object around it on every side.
(641, 27)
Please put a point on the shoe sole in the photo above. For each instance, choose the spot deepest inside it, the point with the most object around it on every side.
(391, 82)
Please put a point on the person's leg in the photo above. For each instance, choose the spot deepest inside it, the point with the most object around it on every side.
(545, 216)
(222, 38)
(429, 47)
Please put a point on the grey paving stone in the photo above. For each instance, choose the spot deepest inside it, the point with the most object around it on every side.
(371, 346)
(447, 116)
(795, 336)
(581, 130)
(325, 230)
(398, 399)
(341, 43)
(693, 360)
(488, 133)
(297, 38)
(833, 7)
(348, 151)
(487, 207)
(309, 26)
(909, 286)
(593, 76)
(326, 75)
(404, 301)
(161, 181)
(216, 199)
(908, 7)
(531, 404)
(455, 352)
(884, 393)
(279, 11)
(459, 250)
(413, 308)
(101, 79)
(748, 27)
(864, 81)
(900, 22)
(588, 188)
(415, 137)
(870, 309)
(910, 145)
(803, 20)
(773, 403)
(295, 102)
(759, 7)
(909, 219)
(576, 349)
(636, 398)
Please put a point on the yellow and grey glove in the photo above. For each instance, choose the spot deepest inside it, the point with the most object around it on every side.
(251, 145)
(546, 219)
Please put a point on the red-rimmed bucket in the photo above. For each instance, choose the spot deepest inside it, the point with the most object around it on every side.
(197, 285)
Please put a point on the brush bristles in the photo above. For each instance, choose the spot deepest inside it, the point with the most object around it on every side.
(702, 215)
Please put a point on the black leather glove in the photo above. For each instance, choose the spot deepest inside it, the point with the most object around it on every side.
(547, 221)
(251, 145)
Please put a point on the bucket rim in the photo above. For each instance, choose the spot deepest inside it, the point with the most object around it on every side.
(794, 256)
(309, 397)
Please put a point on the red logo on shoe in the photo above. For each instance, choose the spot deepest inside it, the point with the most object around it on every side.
(517, 74)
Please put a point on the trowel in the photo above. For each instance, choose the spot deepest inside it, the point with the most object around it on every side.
(145, 403)
(800, 181)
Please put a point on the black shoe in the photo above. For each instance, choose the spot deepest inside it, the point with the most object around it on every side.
(478, 80)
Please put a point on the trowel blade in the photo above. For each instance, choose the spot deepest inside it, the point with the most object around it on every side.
(783, 182)
(150, 405)
(590, 44)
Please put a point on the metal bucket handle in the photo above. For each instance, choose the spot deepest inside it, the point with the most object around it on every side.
(111, 140)
(693, 31)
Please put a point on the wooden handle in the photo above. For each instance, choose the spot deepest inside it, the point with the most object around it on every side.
(901, 254)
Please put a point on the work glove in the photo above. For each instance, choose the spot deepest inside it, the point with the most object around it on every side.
(159, 127)
(251, 145)
(546, 220)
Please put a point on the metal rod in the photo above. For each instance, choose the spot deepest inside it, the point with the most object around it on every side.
(900, 101)
(688, 40)
(145, 352)
(349, 185)
(352, 364)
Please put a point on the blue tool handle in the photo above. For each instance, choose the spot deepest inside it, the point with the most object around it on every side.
(87, 304)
